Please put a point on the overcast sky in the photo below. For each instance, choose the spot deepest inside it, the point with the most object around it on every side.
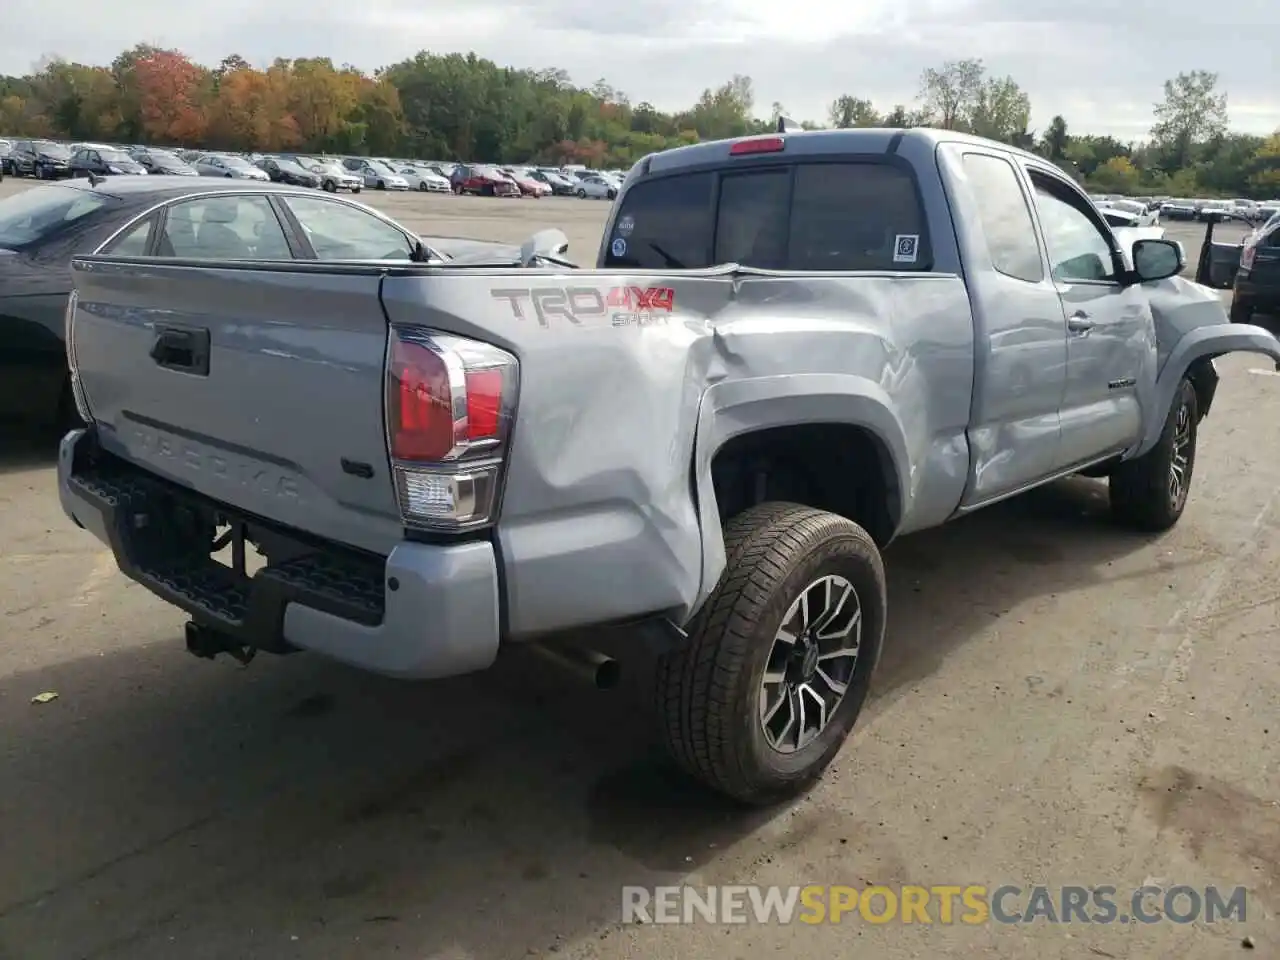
(1100, 63)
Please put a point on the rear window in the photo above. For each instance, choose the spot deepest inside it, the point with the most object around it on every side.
(808, 216)
(41, 212)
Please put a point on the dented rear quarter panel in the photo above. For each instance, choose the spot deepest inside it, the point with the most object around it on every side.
(608, 511)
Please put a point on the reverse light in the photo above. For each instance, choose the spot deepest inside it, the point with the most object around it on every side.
(758, 145)
(450, 402)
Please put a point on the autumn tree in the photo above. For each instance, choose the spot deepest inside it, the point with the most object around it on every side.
(1117, 175)
(250, 111)
(1192, 112)
(171, 92)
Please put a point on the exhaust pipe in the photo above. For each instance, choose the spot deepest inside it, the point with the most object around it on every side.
(594, 667)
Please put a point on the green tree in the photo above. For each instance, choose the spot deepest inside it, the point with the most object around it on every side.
(848, 111)
(950, 93)
(1192, 112)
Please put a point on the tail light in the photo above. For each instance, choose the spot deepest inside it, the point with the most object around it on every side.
(1248, 252)
(754, 145)
(77, 391)
(450, 403)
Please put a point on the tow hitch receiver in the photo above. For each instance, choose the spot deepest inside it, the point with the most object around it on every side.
(206, 644)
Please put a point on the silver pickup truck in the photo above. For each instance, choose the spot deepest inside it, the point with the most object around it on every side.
(794, 348)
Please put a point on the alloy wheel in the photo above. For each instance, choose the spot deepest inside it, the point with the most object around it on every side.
(811, 663)
(1180, 461)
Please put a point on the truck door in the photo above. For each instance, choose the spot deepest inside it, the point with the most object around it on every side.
(1111, 343)
(1019, 327)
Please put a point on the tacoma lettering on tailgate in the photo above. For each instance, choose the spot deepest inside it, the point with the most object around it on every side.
(177, 455)
(626, 305)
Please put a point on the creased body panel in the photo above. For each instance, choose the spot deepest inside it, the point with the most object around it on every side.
(597, 520)
(619, 374)
(294, 386)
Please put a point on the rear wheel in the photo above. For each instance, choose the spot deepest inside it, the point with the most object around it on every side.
(423, 186)
(778, 661)
(582, 194)
(1150, 493)
(382, 185)
(330, 187)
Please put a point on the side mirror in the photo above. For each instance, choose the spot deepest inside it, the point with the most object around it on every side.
(545, 244)
(1157, 260)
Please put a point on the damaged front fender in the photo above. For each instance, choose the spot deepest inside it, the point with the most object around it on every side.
(1199, 344)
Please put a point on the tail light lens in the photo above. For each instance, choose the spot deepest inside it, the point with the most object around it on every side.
(1247, 254)
(450, 403)
(77, 390)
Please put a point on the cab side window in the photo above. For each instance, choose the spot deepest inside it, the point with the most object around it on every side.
(1005, 217)
(1078, 248)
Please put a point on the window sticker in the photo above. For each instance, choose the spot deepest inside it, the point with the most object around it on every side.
(619, 247)
(906, 247)
(626, 225)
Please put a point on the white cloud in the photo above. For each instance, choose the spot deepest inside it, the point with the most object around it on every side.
(1099, 63)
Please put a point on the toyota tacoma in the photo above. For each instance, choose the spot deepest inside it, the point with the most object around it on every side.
(793, 349)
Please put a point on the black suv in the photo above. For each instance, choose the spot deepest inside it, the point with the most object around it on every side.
(1257, 284)
(42, 159)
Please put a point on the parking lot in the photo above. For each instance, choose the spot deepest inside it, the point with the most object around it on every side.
(1060, 703)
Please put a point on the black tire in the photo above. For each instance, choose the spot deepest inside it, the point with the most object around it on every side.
(707, 691)
(423, 186)
(356, 189)
(582, 193)
(613, 194)
(381, 185)
(1241, 311)
(330, 187)
(1142, 491)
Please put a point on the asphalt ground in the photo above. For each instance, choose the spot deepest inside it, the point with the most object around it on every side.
(1060, 703)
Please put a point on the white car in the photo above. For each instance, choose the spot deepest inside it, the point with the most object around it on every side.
(596, 187)
(428, 181)
(1146, 216)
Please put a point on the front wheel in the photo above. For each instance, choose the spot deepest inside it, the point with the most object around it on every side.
(582, 194)
(1150, 493)
(330, 187)
(423, 186)
(762, 695)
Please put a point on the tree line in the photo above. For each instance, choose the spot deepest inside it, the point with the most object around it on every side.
(463, 107)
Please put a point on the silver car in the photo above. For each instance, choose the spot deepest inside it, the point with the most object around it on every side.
(376, 174)
(228, 165)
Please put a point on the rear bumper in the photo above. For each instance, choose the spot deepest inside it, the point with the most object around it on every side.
(424, 611)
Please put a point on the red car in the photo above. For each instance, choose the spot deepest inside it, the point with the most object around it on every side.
(527, 184)
(485, 181)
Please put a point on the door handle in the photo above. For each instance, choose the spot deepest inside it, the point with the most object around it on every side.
(1080, 324)
(182, 348)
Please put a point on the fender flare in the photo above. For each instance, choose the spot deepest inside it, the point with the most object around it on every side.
(1201, 343)
(737, 407)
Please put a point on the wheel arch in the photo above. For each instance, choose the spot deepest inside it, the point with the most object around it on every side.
(839, 431)
(1192, 359)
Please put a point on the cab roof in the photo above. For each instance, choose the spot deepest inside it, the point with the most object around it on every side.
(800, 143)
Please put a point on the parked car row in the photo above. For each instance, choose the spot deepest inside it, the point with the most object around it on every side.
(50, 160)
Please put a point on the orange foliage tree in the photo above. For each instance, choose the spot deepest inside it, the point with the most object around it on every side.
(171, 93)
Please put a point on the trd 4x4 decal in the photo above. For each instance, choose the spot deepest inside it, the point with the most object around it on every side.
(625, 305)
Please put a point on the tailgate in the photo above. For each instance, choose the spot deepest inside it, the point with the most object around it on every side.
(260, 386)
